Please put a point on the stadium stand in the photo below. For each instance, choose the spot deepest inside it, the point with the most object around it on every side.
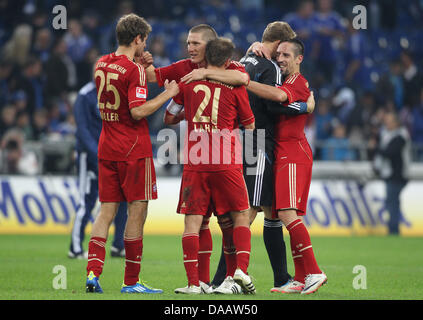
(371, 71)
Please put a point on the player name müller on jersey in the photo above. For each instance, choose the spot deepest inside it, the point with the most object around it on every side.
(121, 85)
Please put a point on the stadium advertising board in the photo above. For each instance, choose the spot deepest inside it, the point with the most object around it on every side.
(335, 207)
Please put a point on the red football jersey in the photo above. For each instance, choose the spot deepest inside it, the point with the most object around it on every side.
(182, 67)
(291, 127)
(213, 111)
(121, 85)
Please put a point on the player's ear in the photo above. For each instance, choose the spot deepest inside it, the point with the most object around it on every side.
(138, 39)
(299, 58)
(227, 63)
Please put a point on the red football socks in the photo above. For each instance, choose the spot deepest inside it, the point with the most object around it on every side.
(133, 255)
(228, 246)
(299, 266)
(204, 253)
(96, 255)
(190, 248)
(242, 242)
(301, 245)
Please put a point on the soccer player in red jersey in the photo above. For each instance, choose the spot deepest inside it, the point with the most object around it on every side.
(126, 169)
(212, 180)
(293, 152)
(187, 70)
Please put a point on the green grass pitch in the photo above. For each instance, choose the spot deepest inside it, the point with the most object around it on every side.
(393, 269)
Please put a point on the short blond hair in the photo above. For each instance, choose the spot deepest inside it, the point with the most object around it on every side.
(207, 32)
(278, 31)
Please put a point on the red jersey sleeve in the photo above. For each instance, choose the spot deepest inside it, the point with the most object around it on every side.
(235, 65)
(137, 87)
(179, 98)
(245, 113)
(296, 88)
(173, 72)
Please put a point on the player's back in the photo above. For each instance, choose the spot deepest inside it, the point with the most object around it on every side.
(213, 111)
(267, 72)
(121, 85)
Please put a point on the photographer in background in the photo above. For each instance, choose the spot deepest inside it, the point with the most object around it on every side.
(391, 163)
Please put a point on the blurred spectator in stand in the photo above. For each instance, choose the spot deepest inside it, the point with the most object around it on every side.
(323, 119)
(344, 103)
(78, 43)
(108, 39)
(23, 122)
(17, 49)
(42, 44)
(31, 83)
(8, 118)
(60, 71)
(91, 25)
(20, 100)
(85, 71)
(157, 49)
(337, 147)
(362, 113)
(16, 159)
(413, 79)
(396, 84)
(417, 127)
(391, 163)
(301, 21)
(355, 75)
(40, 124)
(328, 27)
(6, 69)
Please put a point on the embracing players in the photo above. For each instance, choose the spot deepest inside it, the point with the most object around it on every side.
(293, 167)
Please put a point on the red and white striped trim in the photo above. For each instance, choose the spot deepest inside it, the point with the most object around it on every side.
(301, 250)
(98, 243)
(291, 79)
(293, 185)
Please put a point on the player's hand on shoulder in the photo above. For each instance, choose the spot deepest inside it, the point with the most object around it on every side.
(195, 75)
(172, 87)
(260, 50)
(311, 102)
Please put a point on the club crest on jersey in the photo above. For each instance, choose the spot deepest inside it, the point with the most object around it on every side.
(141, 93)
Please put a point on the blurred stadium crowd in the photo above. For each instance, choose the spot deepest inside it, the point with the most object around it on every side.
(356, 74)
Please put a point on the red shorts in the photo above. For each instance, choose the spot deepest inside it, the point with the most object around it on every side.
(205, 192)
(292, 171)
(126, 180)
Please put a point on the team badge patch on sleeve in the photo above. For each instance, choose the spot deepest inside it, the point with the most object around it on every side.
(141, 93)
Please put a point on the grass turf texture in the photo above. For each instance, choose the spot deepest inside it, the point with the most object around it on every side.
(393, 264)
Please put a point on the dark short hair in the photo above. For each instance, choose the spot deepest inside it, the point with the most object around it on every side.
(218, 51)
(129, 27)
(298, 46)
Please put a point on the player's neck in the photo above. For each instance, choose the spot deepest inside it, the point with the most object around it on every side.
(127, 51)
(271, 47)
(215, 68)
(297, 70)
